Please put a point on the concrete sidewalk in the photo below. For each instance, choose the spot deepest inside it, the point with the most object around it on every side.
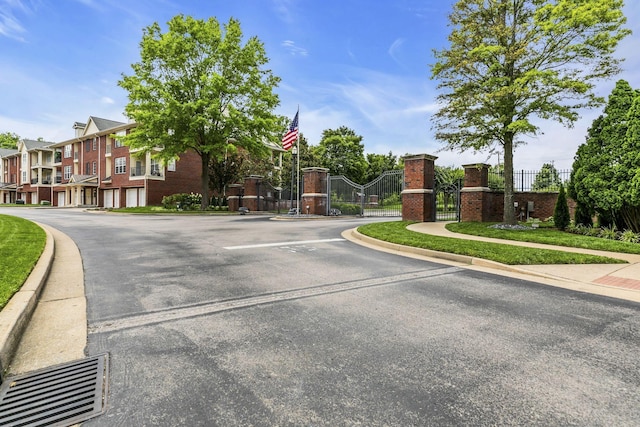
(57, 324)
(613, 280)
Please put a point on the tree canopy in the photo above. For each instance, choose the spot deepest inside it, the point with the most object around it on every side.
(198, 87)
(548, 179)
(342, 152)
(606, 170)
(510, 62)
(9, 140)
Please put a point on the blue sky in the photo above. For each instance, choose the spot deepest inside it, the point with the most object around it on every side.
(358, 63)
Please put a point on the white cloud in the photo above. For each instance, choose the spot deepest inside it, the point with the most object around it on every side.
(107, 100)
(294, 50)
(10, 26)
(394, 48)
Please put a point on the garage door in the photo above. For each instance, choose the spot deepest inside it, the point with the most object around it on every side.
(132, 197)
(61, 198)
(108, 198)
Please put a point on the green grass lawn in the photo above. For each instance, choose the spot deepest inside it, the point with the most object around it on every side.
(396, 232)
(549, 236)
(21, 244)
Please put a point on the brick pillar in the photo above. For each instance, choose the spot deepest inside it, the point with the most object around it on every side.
(314, 198)
(233, 196)
(475, 195)
(252, 199)
(418, 198)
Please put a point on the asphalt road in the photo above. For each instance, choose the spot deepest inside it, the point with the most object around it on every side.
(240, 320)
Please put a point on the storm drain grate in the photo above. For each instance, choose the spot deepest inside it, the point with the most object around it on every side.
(62, 395)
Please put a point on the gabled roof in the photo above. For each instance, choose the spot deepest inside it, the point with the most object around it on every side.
(4, 152)
(83, 179)
(30, 144)
(104, 124)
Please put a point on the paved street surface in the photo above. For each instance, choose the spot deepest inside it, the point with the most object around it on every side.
(241, 320)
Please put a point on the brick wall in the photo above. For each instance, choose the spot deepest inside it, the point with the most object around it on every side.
(185, 179)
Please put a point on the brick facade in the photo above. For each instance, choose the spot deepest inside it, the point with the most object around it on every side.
(418, 194)
(315, 197)
(481, 204)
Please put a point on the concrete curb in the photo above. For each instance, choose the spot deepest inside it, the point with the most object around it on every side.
(354, 235)
(15, 316)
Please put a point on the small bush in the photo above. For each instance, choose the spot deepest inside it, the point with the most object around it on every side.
(182, 201)
(609, 233)
(347, 208)
(582, 215)
(561, 215)
(629, 237)
(45, 203)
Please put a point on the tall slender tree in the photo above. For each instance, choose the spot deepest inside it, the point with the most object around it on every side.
(512, 61)
(198, 86)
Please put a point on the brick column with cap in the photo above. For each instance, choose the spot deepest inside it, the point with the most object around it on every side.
(475, 195)
(234, 191)
(418, 196)
(252, 199)
(314, 198)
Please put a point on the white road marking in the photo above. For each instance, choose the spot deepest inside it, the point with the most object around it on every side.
(269, 245)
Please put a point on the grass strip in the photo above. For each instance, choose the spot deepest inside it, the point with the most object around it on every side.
(21, 244)
(549, 236)
(396, 232)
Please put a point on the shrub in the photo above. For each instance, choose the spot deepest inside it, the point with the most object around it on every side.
(629, 236)
(561, 215)
(609, 233)
(182, 201)
(347, 208)
(582, 215)
(45, 203)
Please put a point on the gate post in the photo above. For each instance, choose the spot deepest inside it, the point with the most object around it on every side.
(315, 191)
(233, 196)
(474, 196)
(251, 194)
(418, 195)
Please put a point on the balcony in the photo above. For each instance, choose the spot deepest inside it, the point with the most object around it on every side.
(58, 157)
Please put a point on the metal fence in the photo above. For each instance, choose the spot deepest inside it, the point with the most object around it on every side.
(543, 181)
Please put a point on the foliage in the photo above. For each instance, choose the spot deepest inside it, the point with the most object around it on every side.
(379, 163)
(342, 152)
(347, 208)
(606, 167)
(548, 236)
(610, 233)
(21, 245)
(548, 179)
(583, 215)
(561, 217)
(513, 61)
(197, 87)
(9, 140)
(396, 232)
(629, 236)
(182, 201)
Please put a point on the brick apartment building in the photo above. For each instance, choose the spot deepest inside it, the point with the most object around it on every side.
(93, 168)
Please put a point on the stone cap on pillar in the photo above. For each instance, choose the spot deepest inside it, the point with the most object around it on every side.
(314, 169)
(419, 157)
(476, 165)
(476, 175)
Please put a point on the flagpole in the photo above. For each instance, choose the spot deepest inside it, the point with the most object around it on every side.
(299, 153)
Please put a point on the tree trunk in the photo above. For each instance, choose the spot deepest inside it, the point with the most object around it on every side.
(204, 181)
(509, 214)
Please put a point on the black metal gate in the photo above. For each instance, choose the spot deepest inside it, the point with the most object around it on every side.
(447, 201)
(380, 197)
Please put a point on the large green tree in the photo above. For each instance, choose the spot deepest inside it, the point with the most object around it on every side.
(378, 164)
(9, 140)
(606, 170)
(510, 62)
(198, 86)
(548, 179)
(342, 152)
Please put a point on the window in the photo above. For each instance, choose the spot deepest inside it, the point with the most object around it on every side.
(171, 165)
(67, 151)
(118, 143)
(87, 146)
(24, 176)
(67, 172)
(121, 165)
(24, 160)
(94, 168)
(155, 167)
(95, 144)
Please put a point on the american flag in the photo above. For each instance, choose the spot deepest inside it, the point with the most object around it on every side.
(292, 134)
